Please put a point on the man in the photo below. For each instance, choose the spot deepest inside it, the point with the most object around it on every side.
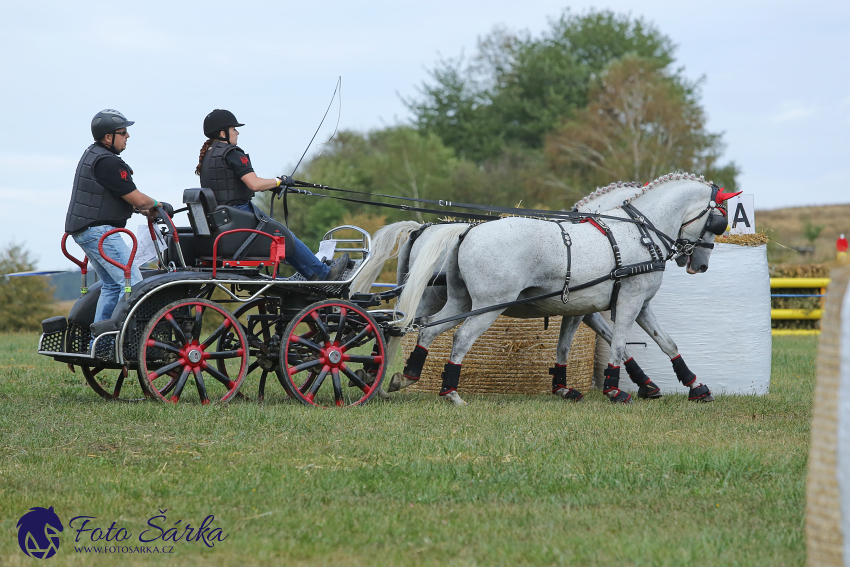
(103, 197)
(227, 170)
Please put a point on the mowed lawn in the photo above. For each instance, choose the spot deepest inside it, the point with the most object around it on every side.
(503, 481)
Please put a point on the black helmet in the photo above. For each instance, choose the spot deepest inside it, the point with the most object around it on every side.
(107, 121)
(218, 120)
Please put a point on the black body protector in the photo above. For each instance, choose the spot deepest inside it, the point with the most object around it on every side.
(215, 175)
(91, 202)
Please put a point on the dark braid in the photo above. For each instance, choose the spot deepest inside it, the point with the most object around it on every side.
(204, 149)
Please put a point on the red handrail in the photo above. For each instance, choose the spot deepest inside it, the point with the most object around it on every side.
(277, 250)
(126, 267)
(82, 264)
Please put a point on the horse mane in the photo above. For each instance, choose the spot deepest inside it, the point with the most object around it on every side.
(672, 176)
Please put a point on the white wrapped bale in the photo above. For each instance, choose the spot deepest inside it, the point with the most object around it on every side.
(732, 298)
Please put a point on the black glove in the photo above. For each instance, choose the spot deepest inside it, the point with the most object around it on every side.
(286, 181)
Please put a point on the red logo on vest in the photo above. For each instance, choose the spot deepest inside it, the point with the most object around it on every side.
(244, 160)
(123, 174)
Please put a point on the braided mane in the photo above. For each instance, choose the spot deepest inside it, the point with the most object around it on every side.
(672, 176)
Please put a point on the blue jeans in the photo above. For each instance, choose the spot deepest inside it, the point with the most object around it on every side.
(301, 258)
(112, 277)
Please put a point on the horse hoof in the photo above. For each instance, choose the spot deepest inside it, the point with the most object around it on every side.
(649, 391)
(700, 394)
(454, 399)
(618, 396)
(382, 394)
(570, 394)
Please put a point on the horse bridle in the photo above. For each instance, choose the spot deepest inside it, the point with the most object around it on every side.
(716, 224)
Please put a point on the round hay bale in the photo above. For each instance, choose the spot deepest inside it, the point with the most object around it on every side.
(828, 482)
(512, 357)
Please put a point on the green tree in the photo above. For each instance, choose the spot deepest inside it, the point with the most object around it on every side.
(517, 87)
(641, 122)
(24, 301)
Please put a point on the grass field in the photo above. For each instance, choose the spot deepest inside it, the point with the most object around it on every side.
(502, 481)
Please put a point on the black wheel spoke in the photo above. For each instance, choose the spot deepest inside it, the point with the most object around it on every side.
(118, 383)
(164, 370)
(178, 332)
(164, 346)
(196, 326)
(304, 366)
(337, 387)
(317, 382)
(181, 383)
(341, 327)
(254, 365)
(364, 359)
(222, 354)
(304, 342)
(218, 376)
(353, 342)
(202, 388)
(354, 378)
(320, 325)
(221, 328)
(170, 386)
(261, 394)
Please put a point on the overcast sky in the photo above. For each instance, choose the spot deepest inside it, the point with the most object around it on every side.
(776, 85)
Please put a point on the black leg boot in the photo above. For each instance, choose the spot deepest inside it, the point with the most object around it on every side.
(646, 387)
(612, 386)
(559, 384)
(699, 392)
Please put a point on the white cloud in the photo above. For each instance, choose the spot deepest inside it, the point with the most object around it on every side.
(792, 111)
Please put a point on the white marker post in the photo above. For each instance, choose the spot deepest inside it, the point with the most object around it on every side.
(742, 214)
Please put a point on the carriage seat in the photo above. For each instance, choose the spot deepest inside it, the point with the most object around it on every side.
(209, 220)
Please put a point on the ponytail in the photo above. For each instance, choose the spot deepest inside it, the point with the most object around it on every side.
(204, 149)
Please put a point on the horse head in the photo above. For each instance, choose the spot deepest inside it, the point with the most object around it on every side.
(697, 235)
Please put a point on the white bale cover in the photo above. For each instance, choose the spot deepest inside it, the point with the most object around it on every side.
(843, 446)
(731, 300)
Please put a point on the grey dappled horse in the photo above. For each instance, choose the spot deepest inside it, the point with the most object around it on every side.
(398, 235)
(516, 258)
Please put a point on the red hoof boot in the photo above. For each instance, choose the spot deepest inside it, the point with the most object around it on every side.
(700, 394)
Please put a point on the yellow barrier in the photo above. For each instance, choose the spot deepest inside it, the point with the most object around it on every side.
(795, 313)
(794, 332)
(799, 282)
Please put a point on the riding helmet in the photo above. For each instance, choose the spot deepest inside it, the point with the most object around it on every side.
(219, 120)
(107, 121)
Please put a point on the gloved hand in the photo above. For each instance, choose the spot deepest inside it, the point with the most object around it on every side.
(286, 180)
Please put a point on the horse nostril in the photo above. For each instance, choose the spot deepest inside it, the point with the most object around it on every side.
(703, 268)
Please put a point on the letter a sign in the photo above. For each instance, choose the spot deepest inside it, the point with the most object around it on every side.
(742, 214)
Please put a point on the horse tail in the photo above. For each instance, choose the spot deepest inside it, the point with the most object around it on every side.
(435, 249)
(383, 244)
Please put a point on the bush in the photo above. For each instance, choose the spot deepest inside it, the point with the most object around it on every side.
(24, 301)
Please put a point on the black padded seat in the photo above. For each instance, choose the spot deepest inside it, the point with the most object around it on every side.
(209, 219)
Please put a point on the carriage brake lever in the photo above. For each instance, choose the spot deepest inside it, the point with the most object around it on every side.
(127, 268)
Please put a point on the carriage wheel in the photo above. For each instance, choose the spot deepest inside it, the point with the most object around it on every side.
(100, 380)
(182, 339)
(333, 353)
(263, 340)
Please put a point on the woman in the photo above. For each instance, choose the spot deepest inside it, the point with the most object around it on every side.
(226, 169)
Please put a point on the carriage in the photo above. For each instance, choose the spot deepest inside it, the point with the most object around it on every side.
(216, 309)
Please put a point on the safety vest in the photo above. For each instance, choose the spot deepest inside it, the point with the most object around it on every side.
(217, 176)
(91, 202)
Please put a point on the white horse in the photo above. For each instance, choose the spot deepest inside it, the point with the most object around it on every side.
(516, 258)
(397, 236)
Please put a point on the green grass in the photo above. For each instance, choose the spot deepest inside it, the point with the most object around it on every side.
(503, 481)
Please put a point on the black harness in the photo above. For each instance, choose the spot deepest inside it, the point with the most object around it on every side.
(679, 248)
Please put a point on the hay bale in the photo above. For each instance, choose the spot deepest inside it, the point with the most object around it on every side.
(827, 490)
(512, 357)
(757, 239)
